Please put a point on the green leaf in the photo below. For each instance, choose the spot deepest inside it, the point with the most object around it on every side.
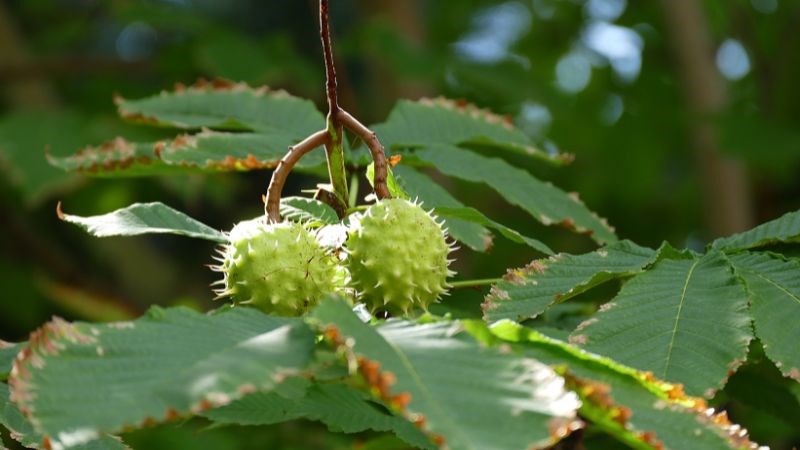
(79, 380)
(630, 405)
(774, 287)
(545, 202)
(474, 216)
(780, 230)
(340, 407)
(527, 292)
(421, 187)
(685, 320)
(302, 209)
(225, 105)
(442, 121)
(217, 150)
(144, 218)
(391, 181)
(471, 396)
(23, 432)
(117, 157)
(8, 352)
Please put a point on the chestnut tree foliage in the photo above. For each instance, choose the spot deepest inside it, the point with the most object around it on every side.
(639, 371)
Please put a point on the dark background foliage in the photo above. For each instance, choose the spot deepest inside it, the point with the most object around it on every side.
(684, 128)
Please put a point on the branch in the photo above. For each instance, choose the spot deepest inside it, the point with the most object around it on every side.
(375, 148)
(330, 69)
(273, 203)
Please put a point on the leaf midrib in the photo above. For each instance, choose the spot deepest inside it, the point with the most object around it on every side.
(678, 318)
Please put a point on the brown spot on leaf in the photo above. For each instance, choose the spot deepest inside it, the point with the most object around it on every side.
(171, 415)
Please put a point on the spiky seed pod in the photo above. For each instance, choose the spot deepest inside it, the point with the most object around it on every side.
(279, 268)
(397, 256)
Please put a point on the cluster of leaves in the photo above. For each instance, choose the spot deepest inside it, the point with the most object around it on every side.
(432, 382)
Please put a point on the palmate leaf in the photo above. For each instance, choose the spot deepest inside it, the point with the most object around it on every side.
(527, 292)
(224, 105)
(466, 395)
(545, 202)
(76, 381)
(773, 284)
(685, 320)
(23, 432)
(442, 121)
(780, 230)
(144, 218)
(637, 409)
(341, 407)
(419, 186)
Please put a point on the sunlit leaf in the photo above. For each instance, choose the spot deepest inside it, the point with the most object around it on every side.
(225, 105)
(301, 209)
(497, 399)
(339, 406)
(633, 406)
(545, 202)
(442, 121)
(79, 380)
(528, 291)
(783, 229)
(23, 432)
(774, 287)
(144, 218)
(685, 320)
(8, 352)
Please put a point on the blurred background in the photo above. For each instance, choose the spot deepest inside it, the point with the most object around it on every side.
(683, 116)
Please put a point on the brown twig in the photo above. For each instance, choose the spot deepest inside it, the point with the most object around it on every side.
(331, 138)
(375, 148)
(327, 53)
(273, 203)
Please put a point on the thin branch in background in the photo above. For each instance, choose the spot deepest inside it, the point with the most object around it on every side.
(728, 201)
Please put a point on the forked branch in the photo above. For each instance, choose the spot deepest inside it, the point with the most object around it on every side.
(331, 138)
(375, 148)
(296, 152)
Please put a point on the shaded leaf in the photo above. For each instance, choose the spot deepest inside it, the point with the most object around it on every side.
(774, 287)
(685, 320)
(340, 407)
(527, 292)
(117, 157)
(217, 150)
(79, 380)
(443, 121)
(144, 218)
(301, 209)
(225, 105)
(783, 229)
(497, 400)
(633, 406)
(432, 195)
(474, 216)
(545, 202)
(23, 432)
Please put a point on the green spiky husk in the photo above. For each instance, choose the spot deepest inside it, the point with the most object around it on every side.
(397, 257)
(278, 268)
